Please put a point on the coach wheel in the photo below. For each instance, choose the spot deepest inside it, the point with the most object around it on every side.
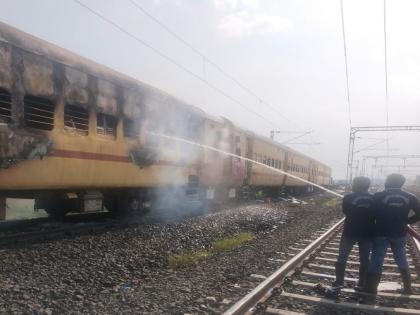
(56, 209)
(122, 203)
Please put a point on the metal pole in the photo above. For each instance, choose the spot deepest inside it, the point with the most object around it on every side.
(350, 156)
(364, 166)
(2, 208)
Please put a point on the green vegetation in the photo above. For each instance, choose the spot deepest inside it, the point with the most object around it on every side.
(194, 256)
(232, 242)
(333, 202)
(187, 258)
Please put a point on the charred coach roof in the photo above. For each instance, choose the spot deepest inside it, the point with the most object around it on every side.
(31, 44)
(35, 46)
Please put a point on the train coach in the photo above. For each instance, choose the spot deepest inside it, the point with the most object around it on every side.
(77, 137)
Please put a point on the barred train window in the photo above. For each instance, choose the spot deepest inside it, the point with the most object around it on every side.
(5, 107)
(106, 124)
(152, 125)
(131, 128)
(38, 112)
(76, 118)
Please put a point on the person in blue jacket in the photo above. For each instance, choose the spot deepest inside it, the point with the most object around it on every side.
(358, 228)
(392, 208)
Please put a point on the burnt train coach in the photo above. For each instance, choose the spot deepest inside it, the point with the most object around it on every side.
(77, 136)
(276, 155)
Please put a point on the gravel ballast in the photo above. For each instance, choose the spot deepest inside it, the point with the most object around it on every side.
(126, 271)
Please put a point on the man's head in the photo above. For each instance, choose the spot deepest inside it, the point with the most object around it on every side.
(394, 181)
(361, 184)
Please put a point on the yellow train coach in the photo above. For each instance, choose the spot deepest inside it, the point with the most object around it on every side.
(77, 136)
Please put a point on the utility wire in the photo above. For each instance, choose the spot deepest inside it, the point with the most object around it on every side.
(298, 137)
(166, 57)
(386, 69)
(386, 82)
(346, 61)
(209, 61)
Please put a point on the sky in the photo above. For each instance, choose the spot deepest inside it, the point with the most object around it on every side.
(288, 53)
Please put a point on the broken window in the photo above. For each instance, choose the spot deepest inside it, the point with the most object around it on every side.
(38, 113)
(152, 126)
(192, 129)
(76, 118)
(106, 124)
(131, 128)
(170, 130)
(5, 107)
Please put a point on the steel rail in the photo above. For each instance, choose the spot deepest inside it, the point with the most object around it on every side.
(245, 304)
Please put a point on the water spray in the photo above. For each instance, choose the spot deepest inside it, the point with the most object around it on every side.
(207, 147)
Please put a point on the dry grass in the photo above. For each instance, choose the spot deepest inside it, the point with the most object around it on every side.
(333, 202)
(194, 256)
(232, 242)
(187, 258)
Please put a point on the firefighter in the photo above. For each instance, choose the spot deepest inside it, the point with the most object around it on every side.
(358, 228)
(392, 208)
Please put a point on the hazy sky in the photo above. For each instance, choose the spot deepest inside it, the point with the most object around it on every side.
(290, 53)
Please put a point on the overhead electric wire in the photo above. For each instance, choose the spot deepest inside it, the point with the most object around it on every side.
(371, 145)
(386, 79)
(346, 61)
(386, 68)
(209, 61)
(297, 137)
(166, 57)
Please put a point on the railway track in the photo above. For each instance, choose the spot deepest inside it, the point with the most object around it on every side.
(23, 232)
(297, 287)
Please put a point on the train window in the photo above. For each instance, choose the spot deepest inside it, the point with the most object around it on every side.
(170, 130)
(264, 160)
(218, 139)
(272, 162)
(38, 112)
(130, 128)
(106, 124)
(76, 119)
(5, 107)
(152, 140)
(276, 163)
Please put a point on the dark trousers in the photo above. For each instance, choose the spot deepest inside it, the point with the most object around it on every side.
(380, 246)
(346, 245)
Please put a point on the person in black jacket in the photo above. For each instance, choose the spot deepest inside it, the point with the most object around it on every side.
(392, 207)
(358, 228)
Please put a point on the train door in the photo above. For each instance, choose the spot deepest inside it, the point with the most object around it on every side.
(285, 168)
(249, 155)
